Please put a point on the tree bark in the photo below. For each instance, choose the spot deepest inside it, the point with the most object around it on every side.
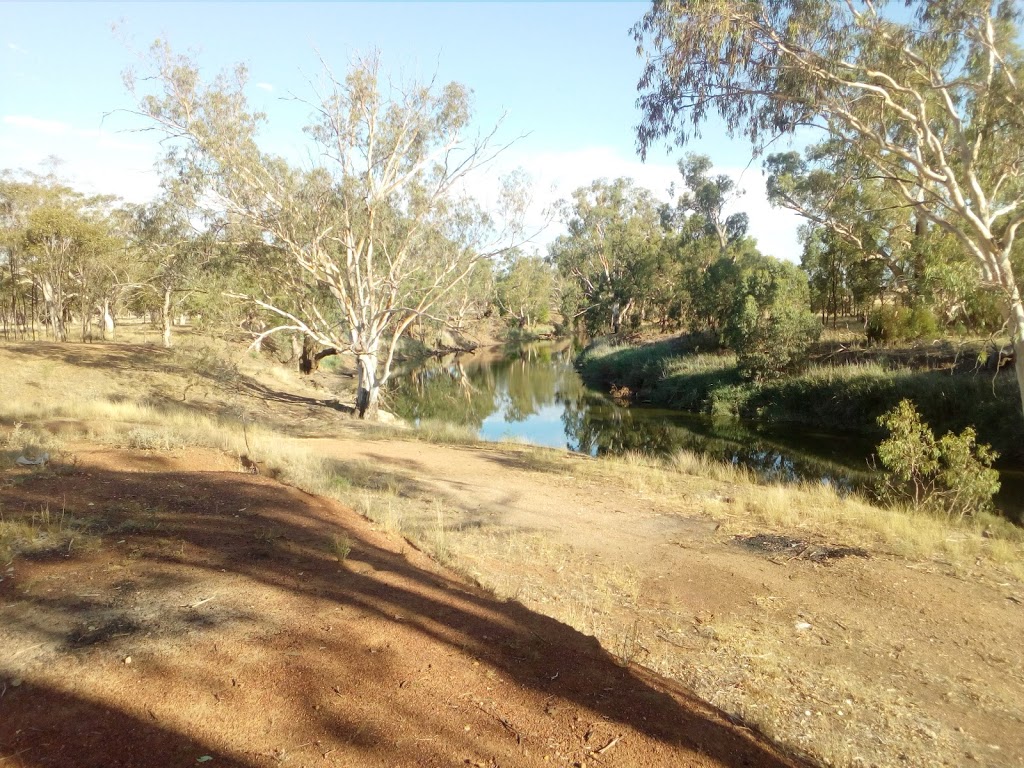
(54, 306)
(368, 391)
(108, 320)
(1017, 336)
(616, 317)
(166, 317)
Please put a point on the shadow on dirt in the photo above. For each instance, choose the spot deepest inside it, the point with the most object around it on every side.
(69, 730)
(261, 535)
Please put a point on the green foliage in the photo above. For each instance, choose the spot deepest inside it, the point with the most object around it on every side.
(953, 474)
(706, 197)
(769, 325)
(524, 290)
(609, 257)
(354, 249)
(688, 374)
(891, 324)
(919, 104)
(61, 252)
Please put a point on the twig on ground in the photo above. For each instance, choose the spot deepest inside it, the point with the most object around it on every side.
(608, 746)
(196, 605)
(508, 726)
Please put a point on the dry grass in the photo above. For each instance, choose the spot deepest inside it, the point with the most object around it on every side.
(732, 496)
(836, 714)
(42, 531)
(757, 673)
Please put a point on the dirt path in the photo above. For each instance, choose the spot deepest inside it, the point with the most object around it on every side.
(206, 618)
(251, 644)
(890, 662)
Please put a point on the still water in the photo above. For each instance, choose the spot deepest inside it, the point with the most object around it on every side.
(534, 394)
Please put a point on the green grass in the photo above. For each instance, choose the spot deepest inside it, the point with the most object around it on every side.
(847, 397)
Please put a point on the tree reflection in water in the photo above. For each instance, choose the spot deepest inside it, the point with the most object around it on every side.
(533, 394)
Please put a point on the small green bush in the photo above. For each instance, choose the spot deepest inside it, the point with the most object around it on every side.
(892, 324)
(953, 474)
(770, 327)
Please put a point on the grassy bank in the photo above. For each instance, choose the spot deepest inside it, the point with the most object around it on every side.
(847, 398)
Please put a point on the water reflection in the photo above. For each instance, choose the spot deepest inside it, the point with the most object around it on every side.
(534, 394)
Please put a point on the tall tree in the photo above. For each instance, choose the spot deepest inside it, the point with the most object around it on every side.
(524, 289)
(609, 252)
(930, 96)
(172, 251)
(708, 196)
(354, 249)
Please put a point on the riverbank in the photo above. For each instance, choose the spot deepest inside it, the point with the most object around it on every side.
(848, 397)
(835, 628)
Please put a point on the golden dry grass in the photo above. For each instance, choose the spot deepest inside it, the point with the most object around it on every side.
(733, 496)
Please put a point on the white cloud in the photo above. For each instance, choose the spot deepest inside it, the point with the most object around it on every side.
(556, 175)
(16, 48)
(49, 127)
(94, 160)
(265, 87)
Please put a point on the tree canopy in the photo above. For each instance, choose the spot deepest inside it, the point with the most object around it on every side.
(928, 96)
(367, 239)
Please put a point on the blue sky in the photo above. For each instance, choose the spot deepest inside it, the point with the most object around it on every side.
(565, 73)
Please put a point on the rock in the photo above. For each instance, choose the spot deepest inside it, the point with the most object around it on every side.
(801, 626)
(15, 682)
(33, 461)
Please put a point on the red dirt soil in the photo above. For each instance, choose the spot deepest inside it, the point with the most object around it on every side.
(213, 623)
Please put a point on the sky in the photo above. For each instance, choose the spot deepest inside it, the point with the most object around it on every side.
(563, 74)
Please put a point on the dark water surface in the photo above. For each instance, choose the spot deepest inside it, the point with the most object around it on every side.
(533, 394)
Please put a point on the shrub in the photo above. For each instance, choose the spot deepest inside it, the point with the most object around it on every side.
(953, 474)
(770, 327)
(891, 324)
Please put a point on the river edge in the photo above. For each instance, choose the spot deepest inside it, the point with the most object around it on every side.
(488, 510)
(845, 398)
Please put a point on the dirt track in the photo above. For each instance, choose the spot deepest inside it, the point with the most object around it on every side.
(250, 643)
(854, 650)
(214, 621)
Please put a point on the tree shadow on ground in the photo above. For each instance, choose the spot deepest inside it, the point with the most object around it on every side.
(270, 543)
(63, 729)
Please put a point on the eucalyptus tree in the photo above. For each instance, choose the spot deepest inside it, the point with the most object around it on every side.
(58, 245)
(56, 240)
(525, 289)
(17, 197)
(840, 191)
(172, 251)
(371, 234)
(708, 196)
(929, 94)
(609, 253)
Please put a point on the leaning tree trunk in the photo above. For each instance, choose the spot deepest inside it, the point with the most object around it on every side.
(167, 317)
(368, 391)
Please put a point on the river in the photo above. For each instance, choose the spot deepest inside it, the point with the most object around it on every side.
(533, 394)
